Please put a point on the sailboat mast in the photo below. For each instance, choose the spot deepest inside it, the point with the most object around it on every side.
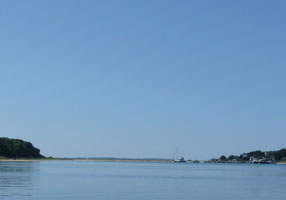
(177, 151)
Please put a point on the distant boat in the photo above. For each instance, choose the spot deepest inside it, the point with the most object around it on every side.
(262, 162)
(181, 159)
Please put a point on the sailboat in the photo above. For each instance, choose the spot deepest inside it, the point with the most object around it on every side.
(181, 159)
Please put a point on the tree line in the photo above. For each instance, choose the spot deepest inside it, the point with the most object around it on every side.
(16, 148)
(276, 156)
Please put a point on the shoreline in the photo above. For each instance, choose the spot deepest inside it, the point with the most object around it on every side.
(83, 160)
(101, 160)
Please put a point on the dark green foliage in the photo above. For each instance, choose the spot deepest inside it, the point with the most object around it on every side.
(244, 157)
(231, 157)
(223, 158)
(15, 148)
(256, 154)
(275, 156)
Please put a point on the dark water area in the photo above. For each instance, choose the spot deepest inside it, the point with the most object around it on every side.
(49, 180)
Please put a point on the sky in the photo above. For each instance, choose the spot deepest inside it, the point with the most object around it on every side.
(134, 79)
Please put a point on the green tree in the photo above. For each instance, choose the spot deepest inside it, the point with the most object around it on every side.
(223, 158)
(15, 148)
(231, 157)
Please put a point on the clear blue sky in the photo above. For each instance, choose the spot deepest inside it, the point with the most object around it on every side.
(137, 78)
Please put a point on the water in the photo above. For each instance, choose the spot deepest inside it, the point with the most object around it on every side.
(64, 180)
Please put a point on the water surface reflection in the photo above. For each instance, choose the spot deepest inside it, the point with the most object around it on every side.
(18, 178)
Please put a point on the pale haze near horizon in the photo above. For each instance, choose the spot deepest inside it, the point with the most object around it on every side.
(137, 78)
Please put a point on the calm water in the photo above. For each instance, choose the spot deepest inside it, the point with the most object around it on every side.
(138, 181)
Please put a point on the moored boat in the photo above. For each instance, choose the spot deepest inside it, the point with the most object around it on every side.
(181, 159)
(262, 162)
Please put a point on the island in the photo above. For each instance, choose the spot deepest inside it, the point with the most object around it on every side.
(257, 156)
(18, 149)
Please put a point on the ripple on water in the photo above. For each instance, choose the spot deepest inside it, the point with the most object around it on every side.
(17, 179)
